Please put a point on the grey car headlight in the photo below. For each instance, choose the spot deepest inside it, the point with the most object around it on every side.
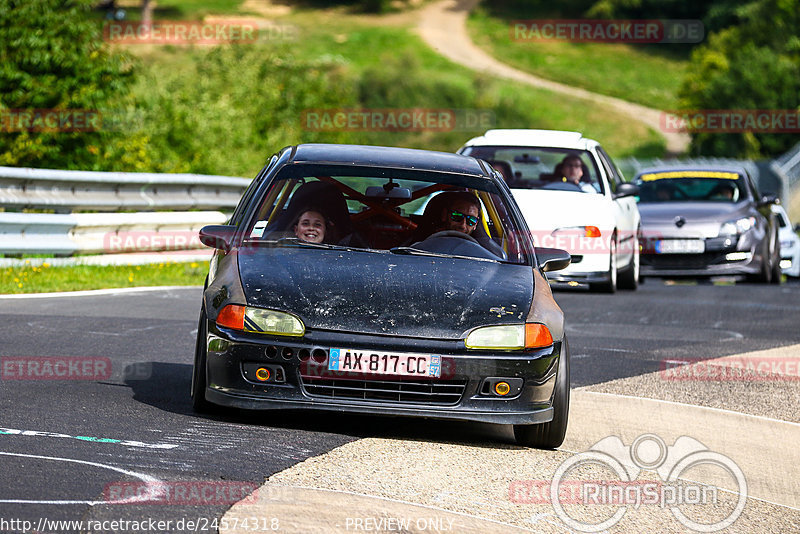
(738, 226)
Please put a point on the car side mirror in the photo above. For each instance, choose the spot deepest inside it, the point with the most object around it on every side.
(218, 236)
(626, 189)
(552, 259)
(797, 228)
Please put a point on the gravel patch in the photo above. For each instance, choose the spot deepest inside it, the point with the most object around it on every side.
(505, 484)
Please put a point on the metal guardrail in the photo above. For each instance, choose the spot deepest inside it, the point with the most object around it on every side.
(103, 233)
(789, 165)
(68, 193)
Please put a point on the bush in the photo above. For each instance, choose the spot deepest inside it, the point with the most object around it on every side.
(52, 57)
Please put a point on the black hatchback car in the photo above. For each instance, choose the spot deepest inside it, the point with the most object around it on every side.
(707, 221)
(383, 281)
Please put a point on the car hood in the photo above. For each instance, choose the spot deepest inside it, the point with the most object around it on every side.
(546, 211)
(692, 212)
(382, 293)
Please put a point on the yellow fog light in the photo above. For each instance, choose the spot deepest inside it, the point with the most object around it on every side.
(502, 388)
(262, 374)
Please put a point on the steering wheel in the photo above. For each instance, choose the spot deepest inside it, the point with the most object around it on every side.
(454, 233)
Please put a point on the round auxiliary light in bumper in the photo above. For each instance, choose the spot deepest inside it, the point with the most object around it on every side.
(262, 374)
(502, 388)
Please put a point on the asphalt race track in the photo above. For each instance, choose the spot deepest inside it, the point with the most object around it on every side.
(67, 445)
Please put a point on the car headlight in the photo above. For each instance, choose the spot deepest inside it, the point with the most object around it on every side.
(739, 226)
(510, 337)
(260, 321)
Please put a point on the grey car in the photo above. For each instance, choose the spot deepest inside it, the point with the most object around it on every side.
(707, 221)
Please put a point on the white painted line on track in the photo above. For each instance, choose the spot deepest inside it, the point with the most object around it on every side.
(94, 292)
(150, 481)
(89, 439)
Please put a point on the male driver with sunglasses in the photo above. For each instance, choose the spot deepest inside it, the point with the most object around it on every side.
(461, 213)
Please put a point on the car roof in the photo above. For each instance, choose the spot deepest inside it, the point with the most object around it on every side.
(525, 137)
(693, 168)
(391, 157)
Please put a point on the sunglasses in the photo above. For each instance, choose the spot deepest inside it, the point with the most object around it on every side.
(457, 216)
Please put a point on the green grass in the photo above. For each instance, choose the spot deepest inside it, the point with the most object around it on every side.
(224, 110)
(183, 9)
(46, 278)
(646, 74)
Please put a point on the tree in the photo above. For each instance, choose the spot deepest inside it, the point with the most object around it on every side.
(752, 65)
(52, 57)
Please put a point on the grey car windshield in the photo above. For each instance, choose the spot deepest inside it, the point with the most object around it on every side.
(691, 187)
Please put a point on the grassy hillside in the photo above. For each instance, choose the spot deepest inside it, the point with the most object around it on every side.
(225, 109)
(646, 74)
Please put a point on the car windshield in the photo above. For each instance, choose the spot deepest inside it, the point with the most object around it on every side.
(391, 211)
(685, 186)
(557, 169)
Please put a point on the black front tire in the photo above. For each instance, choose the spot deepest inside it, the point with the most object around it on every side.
(610, 286)
(199, 382)
(551, 435)
(764, 275)
(629, 279)
(777, 272)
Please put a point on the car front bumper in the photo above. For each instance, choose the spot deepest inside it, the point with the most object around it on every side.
(722, 257)
(459, 393)
(586, 267)
(792, 257)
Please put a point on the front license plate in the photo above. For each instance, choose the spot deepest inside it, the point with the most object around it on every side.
(680, 246)
(384, 363)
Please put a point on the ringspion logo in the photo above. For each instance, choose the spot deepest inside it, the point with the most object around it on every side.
(675, 489)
